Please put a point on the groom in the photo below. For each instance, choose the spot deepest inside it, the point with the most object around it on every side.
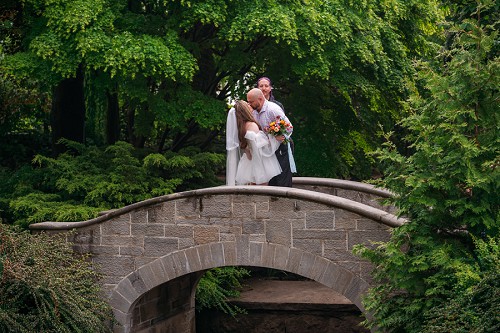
(265, 112)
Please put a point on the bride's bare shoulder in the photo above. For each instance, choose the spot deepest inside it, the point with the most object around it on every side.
(251, 126)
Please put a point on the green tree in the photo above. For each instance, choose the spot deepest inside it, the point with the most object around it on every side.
(45, 287)
(447, 187)
(68, 43)
(85, 180)
(24, 108)
(362, 84)
(477, 308)
(158, 73)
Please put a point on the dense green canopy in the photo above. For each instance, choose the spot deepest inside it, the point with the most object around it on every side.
(159, 73)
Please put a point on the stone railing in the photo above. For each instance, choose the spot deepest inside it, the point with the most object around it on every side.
(360, 192)
(143, 248)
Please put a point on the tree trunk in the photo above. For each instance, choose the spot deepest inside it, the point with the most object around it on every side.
(209, 139)
(161, 144)
(137, 140)
(112, 118)
(180, 140)
(130, 112)
(68, 112)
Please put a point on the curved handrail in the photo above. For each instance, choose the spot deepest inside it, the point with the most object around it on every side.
(342, 184)
(331, 200)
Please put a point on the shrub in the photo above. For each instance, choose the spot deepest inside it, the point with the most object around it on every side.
(45, 287)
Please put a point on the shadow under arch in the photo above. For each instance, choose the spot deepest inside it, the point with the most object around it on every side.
(239, 253)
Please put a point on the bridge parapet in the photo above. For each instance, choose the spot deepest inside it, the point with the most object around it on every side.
(149, 243)
(360, 192)
(325, 225)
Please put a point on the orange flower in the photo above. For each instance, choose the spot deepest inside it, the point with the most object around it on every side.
(279, 127)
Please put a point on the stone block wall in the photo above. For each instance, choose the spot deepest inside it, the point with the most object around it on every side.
(147, 250)
(168, 308)
(126, 242)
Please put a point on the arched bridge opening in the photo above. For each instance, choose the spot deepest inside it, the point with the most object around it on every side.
(152, 253)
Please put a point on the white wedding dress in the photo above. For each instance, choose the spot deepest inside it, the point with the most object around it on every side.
(263, 165)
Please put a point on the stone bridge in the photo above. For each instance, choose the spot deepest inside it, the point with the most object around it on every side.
(153, 253)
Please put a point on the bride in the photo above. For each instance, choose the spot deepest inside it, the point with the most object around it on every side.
(250, 152)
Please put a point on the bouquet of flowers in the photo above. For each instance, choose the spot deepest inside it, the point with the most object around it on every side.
(279, 127)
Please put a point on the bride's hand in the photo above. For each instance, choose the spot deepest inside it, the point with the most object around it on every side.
(280, 138)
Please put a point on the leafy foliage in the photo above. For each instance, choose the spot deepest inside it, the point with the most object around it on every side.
(475, 309)
(85, 180)
(368, 54)
(217, 285)
(447, 188)
(45, 287)
(161, 72)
